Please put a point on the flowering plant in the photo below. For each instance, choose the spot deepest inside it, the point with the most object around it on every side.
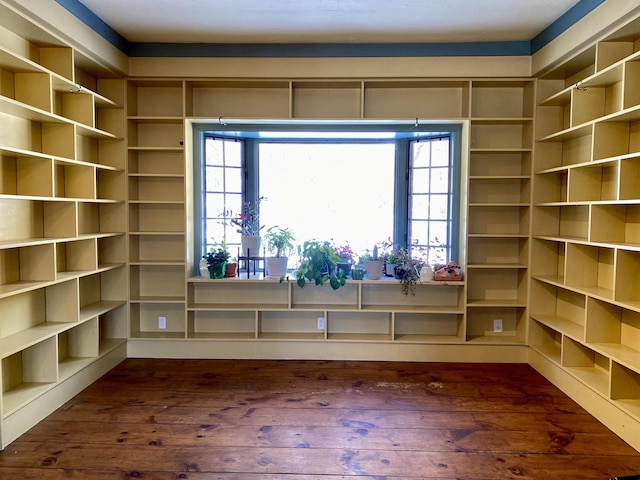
(248, 222)
(344, 252)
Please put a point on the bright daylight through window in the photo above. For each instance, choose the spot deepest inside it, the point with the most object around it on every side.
(361, 191)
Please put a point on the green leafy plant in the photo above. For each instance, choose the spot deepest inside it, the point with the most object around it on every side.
(279, 240)
(407, 269)
(217, 255)
(318, 265)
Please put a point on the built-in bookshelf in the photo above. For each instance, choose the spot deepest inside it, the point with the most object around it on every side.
(63, 277)
(585, 300)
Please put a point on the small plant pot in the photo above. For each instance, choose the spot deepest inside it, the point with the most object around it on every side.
(231, 269)
(250, 246)
(218, 270)
(345, 267)
(357, 273)
(389, 269)
(277, 266)
(374, 269)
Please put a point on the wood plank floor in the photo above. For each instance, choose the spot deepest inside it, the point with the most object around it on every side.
(304, 420)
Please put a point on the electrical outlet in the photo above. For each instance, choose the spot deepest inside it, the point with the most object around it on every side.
(162, 323)
(320, 323)
(497, 325)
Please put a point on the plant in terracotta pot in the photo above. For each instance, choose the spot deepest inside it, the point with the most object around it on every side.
(232, 268)
(279, 242)
(318, 265)
(217, 259)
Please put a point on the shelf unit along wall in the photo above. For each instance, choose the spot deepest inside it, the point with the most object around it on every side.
(63, 284)
(497, 115)
(585, 295)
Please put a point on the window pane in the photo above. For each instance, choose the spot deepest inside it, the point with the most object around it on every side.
(439, 180)
(421, 154)
(440, 153)
(233, 180)
(420, 180)
(438, 207)
(214, 178)
(341, 192)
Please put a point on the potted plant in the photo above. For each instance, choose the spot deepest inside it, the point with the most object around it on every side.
(318, 264)
(217, 259)
(346, 257)
(407, 269)
(232, 268)
(248, 226)
(279, 242)
(372, 263)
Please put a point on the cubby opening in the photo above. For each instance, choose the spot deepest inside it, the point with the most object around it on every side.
(77, 348)
(156, 248)
(159, 282)
(593, 183)
(155, 98)
(145, 323)
(629, 175)
(627, 286)
(27, 374)
(558, 308)
(428, 327)
(615, 331)
(225, 324)
(21, 267)
(318, 296)
(625, 388)
(113, 329)
(590, 367)
(327, 99)
(110, 185)
(156, 218)
(499, 190)
(76, 257)
(434, 298)
(548, 260)
(500, 164)
(373, 326)
(498, 220)
(591, 269)
(291, 325)
(155, 162)
(228, 294)
(501, 134)
(156, 133)
(237, 99)
(618, 224)
(546, 341)
(508, 251)
(502, 99)
(569, 222)
(25, 176)
(419, 99)
(551, 187)
(481, 326)
(497, 286)
(156, 188)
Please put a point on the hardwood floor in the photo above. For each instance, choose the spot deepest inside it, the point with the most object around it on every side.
(303, 420)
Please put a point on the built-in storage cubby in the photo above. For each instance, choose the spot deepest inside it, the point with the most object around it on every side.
(63, 283)
(584, 300)
(259, 309)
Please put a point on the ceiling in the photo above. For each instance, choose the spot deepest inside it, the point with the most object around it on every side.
(328, 21)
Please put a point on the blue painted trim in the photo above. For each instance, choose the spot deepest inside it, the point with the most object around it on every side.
(569, 18)
(96, 24)
(522, 48)
(290, 50)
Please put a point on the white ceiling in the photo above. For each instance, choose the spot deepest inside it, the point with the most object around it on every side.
(314, 21)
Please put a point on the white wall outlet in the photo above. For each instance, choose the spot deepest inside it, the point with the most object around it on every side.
(497, 325)
(320, 323)
(162, 323)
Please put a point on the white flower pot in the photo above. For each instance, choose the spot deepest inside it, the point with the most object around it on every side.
(374, 269)
(277, 266)
(250, 245)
